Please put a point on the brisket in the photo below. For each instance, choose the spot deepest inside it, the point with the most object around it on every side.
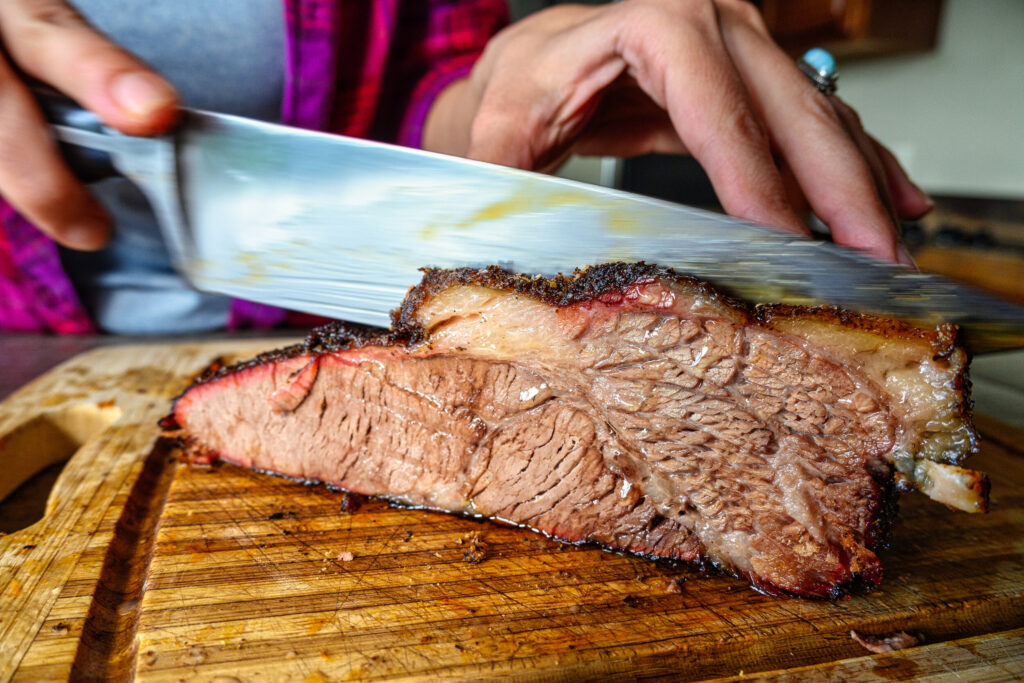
(624, 405)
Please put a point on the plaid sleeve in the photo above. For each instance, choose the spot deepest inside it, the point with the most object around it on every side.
(35, 293)
(444, 39)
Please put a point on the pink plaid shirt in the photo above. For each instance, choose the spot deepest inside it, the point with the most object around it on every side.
(365, 68)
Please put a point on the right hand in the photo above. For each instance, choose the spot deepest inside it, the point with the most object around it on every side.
(701, 77)
(50, 41)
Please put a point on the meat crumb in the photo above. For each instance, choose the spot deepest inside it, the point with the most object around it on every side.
(195, 655)
(346, 556)
(477, 550)
(674, 586)
(350, 502)
(882, 644)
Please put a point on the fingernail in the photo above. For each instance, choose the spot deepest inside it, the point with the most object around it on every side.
(88, 235)
(904, 257)
(140, 94)
(928, 202)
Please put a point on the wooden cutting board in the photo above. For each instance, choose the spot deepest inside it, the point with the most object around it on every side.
(149, 567)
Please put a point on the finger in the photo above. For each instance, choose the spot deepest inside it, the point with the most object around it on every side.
(836, 179)
(509, 127)
(50, 41)
(34, 178)
(682, 63)
(867, 147)
(909, 200)
(855, 129)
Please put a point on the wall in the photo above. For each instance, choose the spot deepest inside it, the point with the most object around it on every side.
(955, 117)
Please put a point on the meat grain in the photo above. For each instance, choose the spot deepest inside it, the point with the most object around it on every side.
(624, 405)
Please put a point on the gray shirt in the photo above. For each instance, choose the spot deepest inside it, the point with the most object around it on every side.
(222, 55)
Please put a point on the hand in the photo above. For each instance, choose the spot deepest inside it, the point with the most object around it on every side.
(680, 76)
(50, 41)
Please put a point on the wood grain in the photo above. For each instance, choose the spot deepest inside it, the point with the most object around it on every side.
(994, 658)
(98, 409)
(164, 571)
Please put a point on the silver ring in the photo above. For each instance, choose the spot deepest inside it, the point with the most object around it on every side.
(820, 66)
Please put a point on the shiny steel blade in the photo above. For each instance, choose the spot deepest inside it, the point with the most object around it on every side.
(340, 227)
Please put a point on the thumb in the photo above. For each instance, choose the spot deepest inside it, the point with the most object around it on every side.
(50, 41)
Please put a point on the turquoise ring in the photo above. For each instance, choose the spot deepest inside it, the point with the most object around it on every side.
(820, 66)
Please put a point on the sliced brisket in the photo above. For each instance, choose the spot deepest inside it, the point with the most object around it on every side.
(625, 405)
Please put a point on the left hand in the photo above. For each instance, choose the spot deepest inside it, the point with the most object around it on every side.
(699, 77)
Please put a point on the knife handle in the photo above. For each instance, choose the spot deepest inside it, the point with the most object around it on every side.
(87, 163)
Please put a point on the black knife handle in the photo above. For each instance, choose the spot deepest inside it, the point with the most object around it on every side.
(89, 165)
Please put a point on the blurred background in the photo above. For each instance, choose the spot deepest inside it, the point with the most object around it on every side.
(941, 83)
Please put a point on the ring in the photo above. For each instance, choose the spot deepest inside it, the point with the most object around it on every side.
(820, 66)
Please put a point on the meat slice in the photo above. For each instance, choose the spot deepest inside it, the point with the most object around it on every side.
(625, 405)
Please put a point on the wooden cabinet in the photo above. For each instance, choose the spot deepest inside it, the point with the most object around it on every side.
(854, 28)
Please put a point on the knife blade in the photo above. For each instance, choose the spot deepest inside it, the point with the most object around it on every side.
(340, 227)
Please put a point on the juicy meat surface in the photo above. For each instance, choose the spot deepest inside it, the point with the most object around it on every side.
(624, 405)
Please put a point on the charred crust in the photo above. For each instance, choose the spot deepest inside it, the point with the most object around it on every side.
(964, 403)
(880, 529)
(942, 338)
(169, 424)
(340, 336)
(858, 583)
(583, 284)
(334, 336)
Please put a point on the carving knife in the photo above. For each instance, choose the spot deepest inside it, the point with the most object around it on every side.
(340, 227)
